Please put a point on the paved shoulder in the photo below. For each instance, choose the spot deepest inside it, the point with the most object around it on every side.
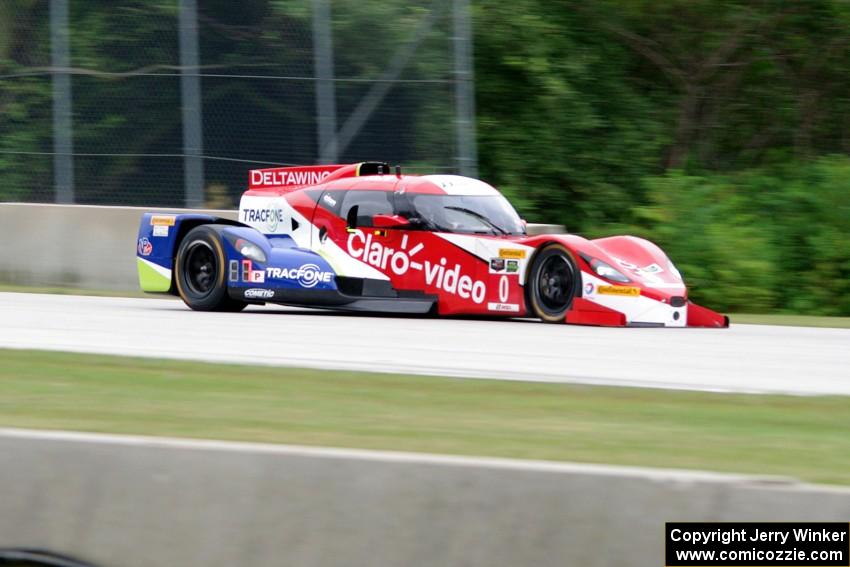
(745, 358)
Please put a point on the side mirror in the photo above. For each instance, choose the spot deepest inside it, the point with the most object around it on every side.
(389, 221)
(351, 218)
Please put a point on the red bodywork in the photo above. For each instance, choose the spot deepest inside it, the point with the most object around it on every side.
(469, 273)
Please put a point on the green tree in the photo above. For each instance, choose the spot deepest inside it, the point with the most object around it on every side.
(25, 103)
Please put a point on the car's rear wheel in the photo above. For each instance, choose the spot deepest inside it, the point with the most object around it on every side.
(200, 270)
(553, 282)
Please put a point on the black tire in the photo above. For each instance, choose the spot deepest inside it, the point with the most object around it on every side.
(553, 282)
(200, 272)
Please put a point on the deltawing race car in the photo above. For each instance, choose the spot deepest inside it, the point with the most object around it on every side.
(358, 237)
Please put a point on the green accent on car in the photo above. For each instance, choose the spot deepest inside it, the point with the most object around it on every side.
(150, 279)
(330, 260)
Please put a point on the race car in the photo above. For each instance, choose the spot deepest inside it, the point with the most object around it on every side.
(360, 237)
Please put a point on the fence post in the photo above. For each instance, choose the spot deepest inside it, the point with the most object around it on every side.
(467, 158)
(325, 91)
(190, 93)
(63, 134)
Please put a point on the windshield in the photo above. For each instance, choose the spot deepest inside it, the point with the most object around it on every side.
(472, 214)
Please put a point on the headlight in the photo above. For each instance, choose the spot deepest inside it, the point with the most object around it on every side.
(603, 270)
(250, 250)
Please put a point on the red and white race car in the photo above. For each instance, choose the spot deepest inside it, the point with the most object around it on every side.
(359, 237)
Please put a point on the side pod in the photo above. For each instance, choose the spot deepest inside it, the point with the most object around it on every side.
(699, 316)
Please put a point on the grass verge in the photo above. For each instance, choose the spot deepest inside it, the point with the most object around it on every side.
(792, 320)
(804, 437)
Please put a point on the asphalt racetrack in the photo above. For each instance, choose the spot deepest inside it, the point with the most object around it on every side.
(743, 358)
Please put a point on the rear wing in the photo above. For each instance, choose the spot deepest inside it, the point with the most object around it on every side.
(288, 178)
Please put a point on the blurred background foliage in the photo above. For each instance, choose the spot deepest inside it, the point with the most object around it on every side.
(257, 89)
(718, 128)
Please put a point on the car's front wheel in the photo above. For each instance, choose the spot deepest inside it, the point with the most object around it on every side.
(552, 284)
(200, 272)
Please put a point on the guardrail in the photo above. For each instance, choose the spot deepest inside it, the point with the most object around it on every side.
(127, 501)
(84, 247)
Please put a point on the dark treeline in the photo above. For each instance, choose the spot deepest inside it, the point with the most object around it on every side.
(257, 89)
(719, 129)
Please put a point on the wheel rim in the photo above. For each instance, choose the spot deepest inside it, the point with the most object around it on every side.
(555, 284)
(200, 268)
